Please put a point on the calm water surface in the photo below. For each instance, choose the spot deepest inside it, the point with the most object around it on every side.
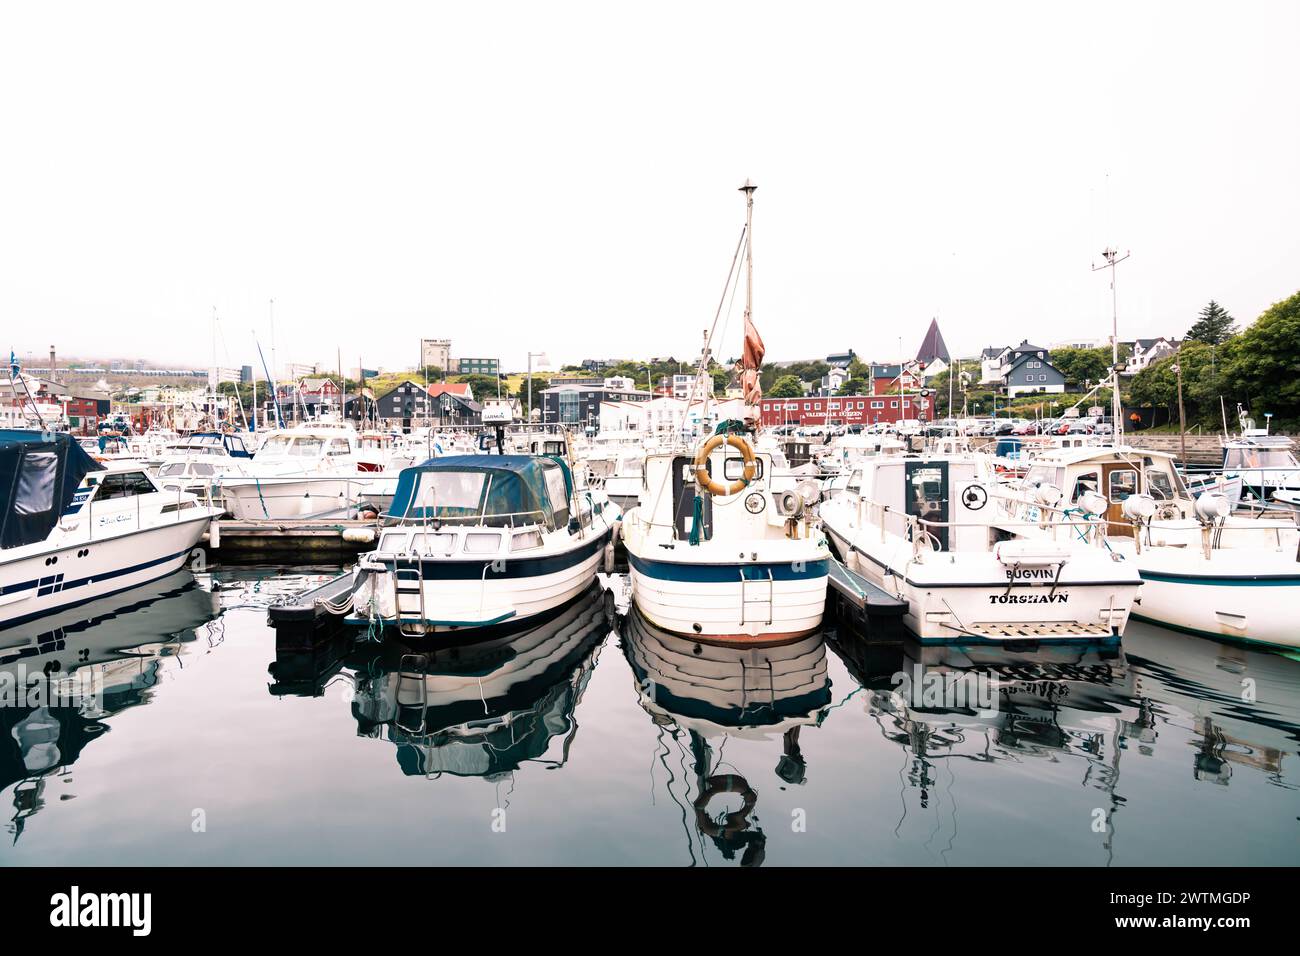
(595, 738)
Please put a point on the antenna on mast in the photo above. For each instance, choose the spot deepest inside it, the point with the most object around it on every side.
(1113, 258)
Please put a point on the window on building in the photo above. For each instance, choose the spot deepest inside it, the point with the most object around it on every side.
(1043, 377)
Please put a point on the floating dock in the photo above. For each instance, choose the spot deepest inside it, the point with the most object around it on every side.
(869, 598)
(314, 537)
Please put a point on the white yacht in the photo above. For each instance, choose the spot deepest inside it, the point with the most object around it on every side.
(473, 542)
(72, 530)
(922, 529)
(1204, 570)
(307, 471)
(195, 463)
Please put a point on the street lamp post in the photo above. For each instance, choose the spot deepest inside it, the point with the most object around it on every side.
(544, 361)
(1182, 417)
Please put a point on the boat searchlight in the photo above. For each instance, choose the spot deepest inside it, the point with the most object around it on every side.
(1093, 503)
(1139, 507)
(1211, 507)
(1047, 495)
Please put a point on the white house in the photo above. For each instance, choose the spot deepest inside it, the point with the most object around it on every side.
(992, 363)
(664, 415)
(1146, 351)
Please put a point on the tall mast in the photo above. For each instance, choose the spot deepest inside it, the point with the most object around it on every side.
(748, 190)
(1113, 258)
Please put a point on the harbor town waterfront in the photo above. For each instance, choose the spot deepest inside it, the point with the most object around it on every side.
(437, 439)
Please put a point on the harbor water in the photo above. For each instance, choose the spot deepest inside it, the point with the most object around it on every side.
(184, 732)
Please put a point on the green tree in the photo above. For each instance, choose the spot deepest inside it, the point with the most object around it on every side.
(1261, 365)
(721, 379)
(854, 386)
(1081, 366)
(1214, 326)
(787, 386)
(483, 386)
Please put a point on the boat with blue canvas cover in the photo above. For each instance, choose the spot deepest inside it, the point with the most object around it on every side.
(476, 542)
(73, 529)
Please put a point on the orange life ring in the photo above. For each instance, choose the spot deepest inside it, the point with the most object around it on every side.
(705, 481)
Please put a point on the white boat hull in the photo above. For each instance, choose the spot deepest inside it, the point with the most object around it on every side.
(323, 496)
(974, 600)
(80, 570)
(1222, 597)
(467, 595)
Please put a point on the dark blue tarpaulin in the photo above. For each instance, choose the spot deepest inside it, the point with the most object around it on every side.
(39, 474)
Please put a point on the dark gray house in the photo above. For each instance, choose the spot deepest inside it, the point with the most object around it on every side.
(1027, 373)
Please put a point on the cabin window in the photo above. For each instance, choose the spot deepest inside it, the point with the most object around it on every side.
(523, 540)
(482, 543)
(125, 485)
(36, 483)
(1123, 483)
(1084, 484)
(1159, 486)
(557, 491)
(733, 469)
(440, 543)
(338, 446)
(392, 542)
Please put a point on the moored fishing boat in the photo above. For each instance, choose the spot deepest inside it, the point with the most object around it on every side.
(1204, 569)
(715, 551)
(921, 529)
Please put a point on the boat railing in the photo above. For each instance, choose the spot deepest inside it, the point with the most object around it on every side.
(1089, 527)
(536, 515)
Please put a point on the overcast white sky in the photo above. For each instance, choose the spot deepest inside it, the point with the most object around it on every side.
(562, 176)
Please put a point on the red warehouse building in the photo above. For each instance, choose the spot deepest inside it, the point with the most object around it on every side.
(843, 409)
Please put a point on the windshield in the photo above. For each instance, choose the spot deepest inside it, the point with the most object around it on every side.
(278, 446)
(1260, 458)
(449, 494)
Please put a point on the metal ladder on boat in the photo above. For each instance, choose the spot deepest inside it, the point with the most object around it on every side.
(408, 601)
(749, 603)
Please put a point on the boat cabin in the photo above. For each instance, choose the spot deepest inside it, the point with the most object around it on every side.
(1116, 474)
(947, 493)
(499, 491)
(671, 499)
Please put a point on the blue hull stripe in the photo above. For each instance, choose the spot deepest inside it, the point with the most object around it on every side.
(1243, 580)
(728, 573)
(461, 570)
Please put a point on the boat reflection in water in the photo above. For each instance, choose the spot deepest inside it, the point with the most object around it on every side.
(479, 709)
(62, 676)
(701, 694)
(1100, 706)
